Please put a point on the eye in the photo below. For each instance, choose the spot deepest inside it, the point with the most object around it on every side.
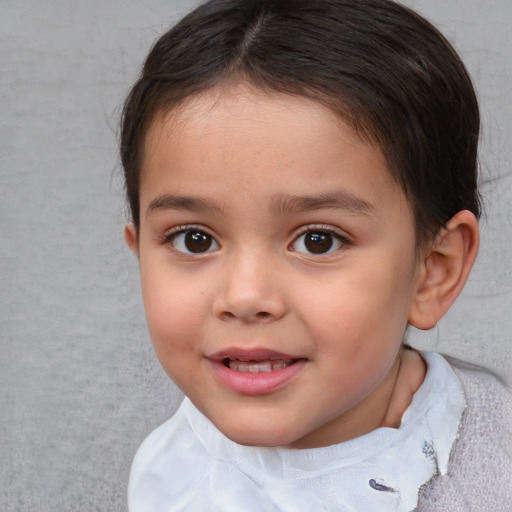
(192, 241)
(318, 242)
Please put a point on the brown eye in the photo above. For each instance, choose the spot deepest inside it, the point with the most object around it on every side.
(197, 241)
(318, 242)
(193, 242)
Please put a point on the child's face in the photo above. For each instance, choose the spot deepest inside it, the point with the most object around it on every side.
(278, 266)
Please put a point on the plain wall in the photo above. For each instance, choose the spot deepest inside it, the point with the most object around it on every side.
(79, 385)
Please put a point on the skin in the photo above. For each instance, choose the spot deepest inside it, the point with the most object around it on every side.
(232, 164)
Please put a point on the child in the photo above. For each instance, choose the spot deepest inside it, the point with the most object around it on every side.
(302, 182)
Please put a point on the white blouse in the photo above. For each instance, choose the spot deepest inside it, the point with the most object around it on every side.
(188, 465)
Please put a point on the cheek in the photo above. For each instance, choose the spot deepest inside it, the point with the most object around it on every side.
(364, 305)
(174, 313)
(174, 327)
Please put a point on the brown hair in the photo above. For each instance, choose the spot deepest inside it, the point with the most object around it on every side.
(380, 66)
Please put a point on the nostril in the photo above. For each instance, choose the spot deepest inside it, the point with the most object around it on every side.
(261, 315)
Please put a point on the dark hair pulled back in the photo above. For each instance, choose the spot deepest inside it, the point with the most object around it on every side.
(381, 67)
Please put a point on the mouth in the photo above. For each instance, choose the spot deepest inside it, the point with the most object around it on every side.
(255, 372)
(257, 366)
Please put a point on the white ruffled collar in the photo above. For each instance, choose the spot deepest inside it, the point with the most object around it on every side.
(382, 470)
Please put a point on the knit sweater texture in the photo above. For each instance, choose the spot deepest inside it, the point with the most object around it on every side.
(479, 475)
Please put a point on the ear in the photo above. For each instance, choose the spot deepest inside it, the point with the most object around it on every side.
(444, 269)
(131, 237)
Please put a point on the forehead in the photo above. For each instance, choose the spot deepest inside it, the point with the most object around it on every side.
(227, 113)
(238, 140)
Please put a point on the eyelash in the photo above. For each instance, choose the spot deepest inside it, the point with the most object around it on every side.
(342, 239)
(170, 236)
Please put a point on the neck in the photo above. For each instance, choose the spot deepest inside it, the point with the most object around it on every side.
(384, 407)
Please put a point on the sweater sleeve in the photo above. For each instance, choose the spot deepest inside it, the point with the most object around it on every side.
(480, 469)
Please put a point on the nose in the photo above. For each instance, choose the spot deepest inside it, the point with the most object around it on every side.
(249, 290)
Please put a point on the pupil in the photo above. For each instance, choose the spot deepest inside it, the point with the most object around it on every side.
(318, 243)
(195, 241)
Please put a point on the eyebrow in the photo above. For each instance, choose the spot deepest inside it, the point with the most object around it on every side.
(280, 204)
(339, 200)
(170, 202)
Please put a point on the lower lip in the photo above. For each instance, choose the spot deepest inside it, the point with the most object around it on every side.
(260, 383)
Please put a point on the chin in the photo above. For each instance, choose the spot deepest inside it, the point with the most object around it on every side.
(259, 440)
(263, 437)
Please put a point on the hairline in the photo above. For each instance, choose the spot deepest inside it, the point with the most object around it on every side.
(169, 108)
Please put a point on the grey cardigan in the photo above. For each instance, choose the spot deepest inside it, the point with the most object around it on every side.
(479, 475)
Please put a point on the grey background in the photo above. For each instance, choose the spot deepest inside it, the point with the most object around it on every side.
(79, 385)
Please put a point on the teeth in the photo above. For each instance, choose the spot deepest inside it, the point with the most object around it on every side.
(258, 366)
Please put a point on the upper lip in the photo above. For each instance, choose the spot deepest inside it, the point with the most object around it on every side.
(257, 354)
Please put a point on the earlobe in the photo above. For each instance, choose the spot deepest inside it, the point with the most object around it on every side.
(444, 269)
(131, 237)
